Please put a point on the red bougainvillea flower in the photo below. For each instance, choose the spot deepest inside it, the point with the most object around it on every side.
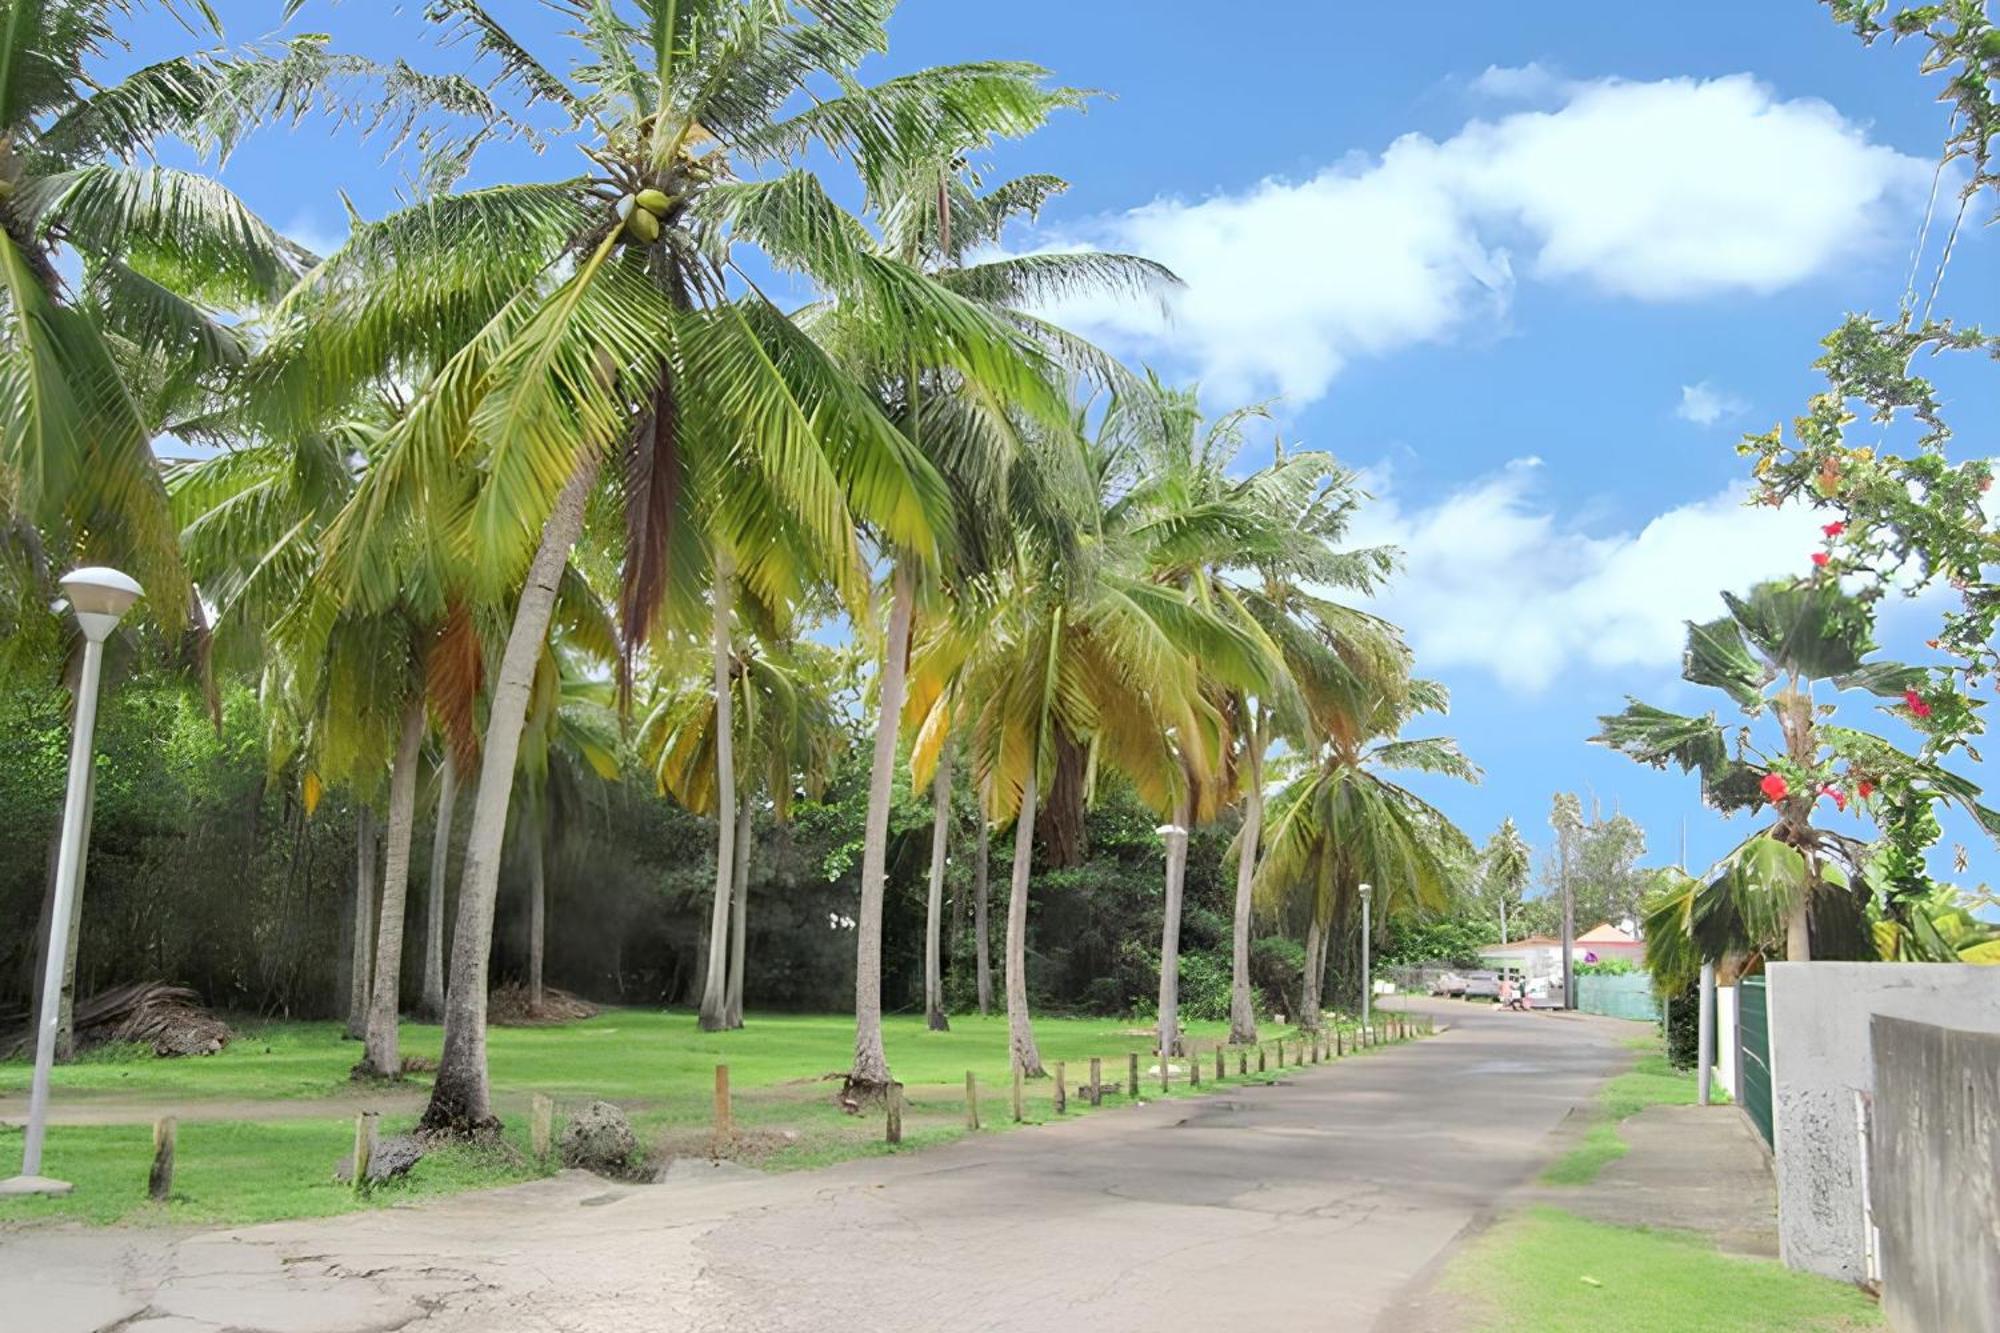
(1775, 788)
(1866, 789)
(1834, 529)
(1820, 558)
(1839, 796)
(1916, 703)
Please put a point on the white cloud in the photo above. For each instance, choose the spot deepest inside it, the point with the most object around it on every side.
(1662, 191)
(1531, 82)
(1495, 579)
(1704, 404)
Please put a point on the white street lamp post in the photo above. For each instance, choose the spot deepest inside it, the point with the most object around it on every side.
(1367, 978)
(99, 597)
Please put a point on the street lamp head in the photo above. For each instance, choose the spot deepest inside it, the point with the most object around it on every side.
(1169, 830)
(1366, 890)
(100, 596)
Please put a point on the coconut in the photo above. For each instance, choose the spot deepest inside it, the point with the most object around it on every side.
(654, 202)
(642, 226)
(625, 207)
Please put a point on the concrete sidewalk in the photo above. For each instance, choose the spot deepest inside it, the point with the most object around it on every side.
(1309, 1204)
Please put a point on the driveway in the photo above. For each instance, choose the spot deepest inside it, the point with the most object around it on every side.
(1312, 1204)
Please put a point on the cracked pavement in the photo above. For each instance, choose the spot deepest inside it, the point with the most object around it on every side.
(1313, 1204)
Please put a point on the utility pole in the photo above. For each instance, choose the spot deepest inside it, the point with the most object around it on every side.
(1569, 920)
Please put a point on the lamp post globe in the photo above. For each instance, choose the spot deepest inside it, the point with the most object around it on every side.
(100, 597)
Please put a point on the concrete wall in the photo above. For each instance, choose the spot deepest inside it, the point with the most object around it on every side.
(1820, 1056)
(1934, 1174)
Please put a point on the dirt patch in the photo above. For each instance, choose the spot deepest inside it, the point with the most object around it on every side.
(745, 1147)
(510, 1007)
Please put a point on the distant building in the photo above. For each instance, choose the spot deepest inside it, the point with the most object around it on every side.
(1606, 943)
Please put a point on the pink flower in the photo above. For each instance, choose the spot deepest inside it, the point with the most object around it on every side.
(1916, 703)
(1839, 796)
(1820, 558)
(1834, 529)
(1774, 787)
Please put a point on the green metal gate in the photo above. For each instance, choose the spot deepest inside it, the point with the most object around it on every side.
(1753, 1037)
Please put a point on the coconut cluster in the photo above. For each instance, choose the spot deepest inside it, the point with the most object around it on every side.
(641, 214)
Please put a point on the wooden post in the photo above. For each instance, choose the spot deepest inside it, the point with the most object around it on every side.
(160, 1182)
(1281, 1052)
(1132, 1075)
(1096, 1081)
(1337, 1052)
(541, 1125)
(364, 1149)
(1194, 1070)
(1018, 1116)
(971, 1101)
(724, 1132)
(1242, 1063)
(895, 1127)
(1260, 1057)
(1061, 1098)
(1221, 1071)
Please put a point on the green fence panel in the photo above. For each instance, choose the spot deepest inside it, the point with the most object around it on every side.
(1753, 1036)
(1629, 995)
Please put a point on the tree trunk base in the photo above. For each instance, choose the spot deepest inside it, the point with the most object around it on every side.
(938, 1022)
(856, 1092)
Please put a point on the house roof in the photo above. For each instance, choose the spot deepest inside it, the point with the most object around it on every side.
(1605, 933)
(1532, 942)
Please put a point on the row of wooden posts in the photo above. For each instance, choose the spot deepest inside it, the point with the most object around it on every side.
(541, 1120)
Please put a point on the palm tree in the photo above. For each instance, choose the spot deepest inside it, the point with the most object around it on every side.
(1206, 528)
(555, 328)
(1341, 822)
(785, 730)
(1504, 867)
(1793, 884)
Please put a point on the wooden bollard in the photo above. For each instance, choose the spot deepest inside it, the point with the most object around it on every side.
(724, 1131)
(1060, 1099)
(1260, 1057)
(1132, 1075)
(541, 1125)
(895, 1126)
(1096, 1081)
(1281, 1052)
(364, 1149)
(1242, 1063)
(1194, 1070)
(1337, 1052)
(1221, 1072)
(160, 1180)
(1019, 1116)
(971, 1101)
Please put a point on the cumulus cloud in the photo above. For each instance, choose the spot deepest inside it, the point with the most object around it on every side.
(1531, 82)
(1704, 404)
(1496, 579)
(1665, 191)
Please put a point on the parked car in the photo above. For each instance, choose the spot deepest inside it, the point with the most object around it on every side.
(1450, 984)
(1482, 986)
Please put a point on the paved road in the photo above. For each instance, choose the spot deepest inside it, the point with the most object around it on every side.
(1308, 1205)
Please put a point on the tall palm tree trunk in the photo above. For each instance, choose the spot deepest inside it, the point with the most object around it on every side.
(934, 908)
(1311, 1000)
(362, 953)
(732, 1009)
(871, 1063)
(1798, 932)
(538, 912)
(431, 1006)
(1020, 1029)
(1170, 927)
(461, 1099)
(382, 1056)
(1242, 1012)
(981, 936)
(714, 990)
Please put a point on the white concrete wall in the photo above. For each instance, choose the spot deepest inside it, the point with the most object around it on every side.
(1820, 1056)
(1728, 1055)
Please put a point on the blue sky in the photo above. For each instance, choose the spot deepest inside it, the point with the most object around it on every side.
(1531, 268)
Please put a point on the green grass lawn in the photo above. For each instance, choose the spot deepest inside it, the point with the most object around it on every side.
(235, 1167)
(1651, 1082)
(1546, 1271)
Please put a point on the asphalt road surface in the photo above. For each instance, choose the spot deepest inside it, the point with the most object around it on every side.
(1314, 1204)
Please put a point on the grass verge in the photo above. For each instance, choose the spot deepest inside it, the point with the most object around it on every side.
(1547, 1271)
(1651, 1082)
